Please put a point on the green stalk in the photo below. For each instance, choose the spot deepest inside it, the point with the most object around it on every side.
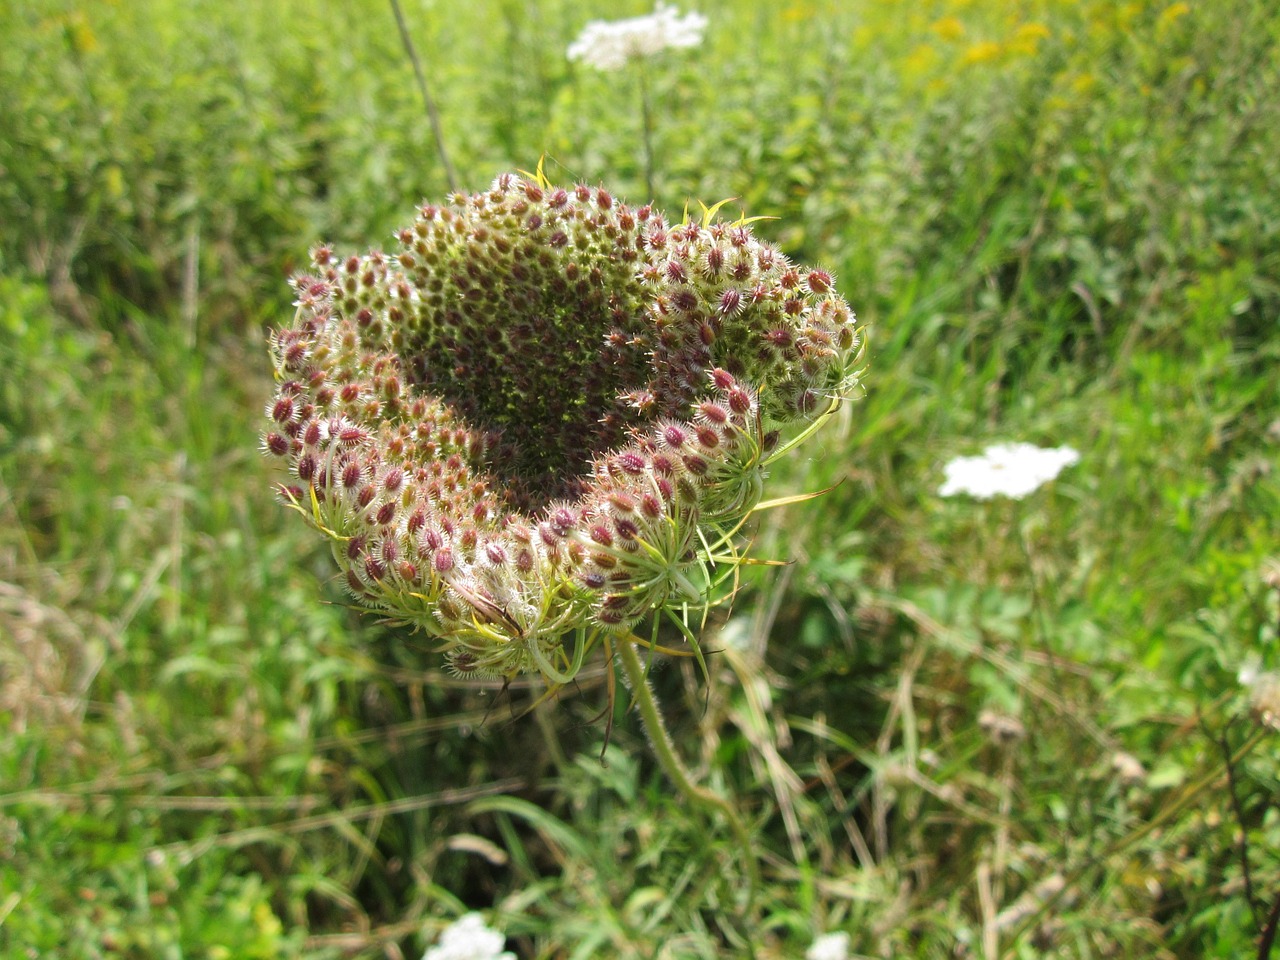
(674, 767)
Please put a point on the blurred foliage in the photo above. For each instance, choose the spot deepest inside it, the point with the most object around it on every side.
(953, 725)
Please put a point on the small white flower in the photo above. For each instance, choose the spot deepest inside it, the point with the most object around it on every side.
(469, 939)
(609, 44)
(1006, 470)
(829, 946)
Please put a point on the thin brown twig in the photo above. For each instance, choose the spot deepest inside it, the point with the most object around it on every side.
(1269, 934)
(1234, 793)
(433, 114)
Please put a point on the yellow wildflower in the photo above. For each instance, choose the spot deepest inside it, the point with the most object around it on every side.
(1026, 39)
(799, 12)
(948, 28)
(920, 60)
(1171, 15)
(984, 51)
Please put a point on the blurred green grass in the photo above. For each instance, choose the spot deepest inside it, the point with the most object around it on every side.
(1058, 218)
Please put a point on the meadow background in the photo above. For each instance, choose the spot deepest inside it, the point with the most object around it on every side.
(958, 729)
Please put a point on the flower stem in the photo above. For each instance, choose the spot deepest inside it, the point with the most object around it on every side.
(674, 768)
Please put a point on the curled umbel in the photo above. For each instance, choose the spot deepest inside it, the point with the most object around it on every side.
(544, 417)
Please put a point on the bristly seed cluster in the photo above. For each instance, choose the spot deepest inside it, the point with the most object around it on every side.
(546, 413)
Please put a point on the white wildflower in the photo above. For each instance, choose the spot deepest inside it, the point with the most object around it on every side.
(829, 946)
(609, 44)
(469, 939)
(1006, 469)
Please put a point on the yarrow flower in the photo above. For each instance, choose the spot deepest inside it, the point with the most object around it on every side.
(1006, 470)
(609, 44)
(545, 416)
(469, 939)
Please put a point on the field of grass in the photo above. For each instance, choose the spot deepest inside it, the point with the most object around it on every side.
(955, 728)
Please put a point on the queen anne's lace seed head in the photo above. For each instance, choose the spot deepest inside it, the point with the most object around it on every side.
(530, 419)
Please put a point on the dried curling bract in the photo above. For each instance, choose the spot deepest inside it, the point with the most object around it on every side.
(544, 417)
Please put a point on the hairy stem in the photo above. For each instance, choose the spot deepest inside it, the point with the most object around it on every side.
(674, 767)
